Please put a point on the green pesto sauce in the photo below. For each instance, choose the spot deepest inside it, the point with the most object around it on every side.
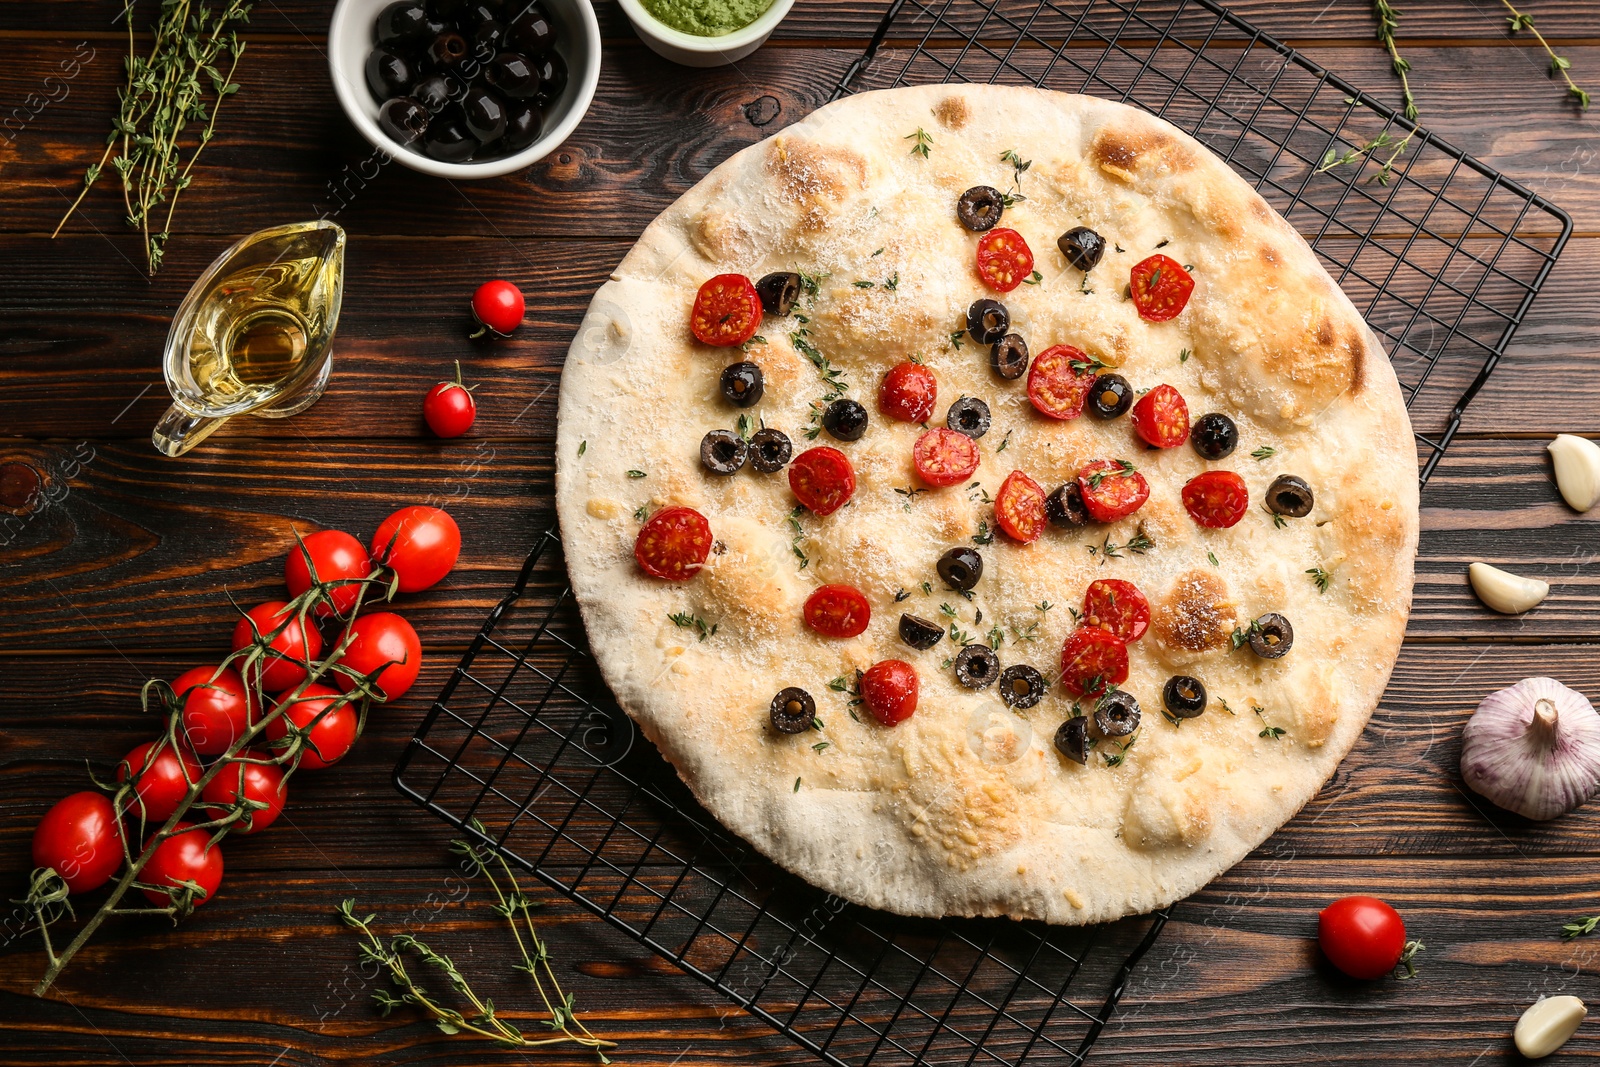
(707, 18)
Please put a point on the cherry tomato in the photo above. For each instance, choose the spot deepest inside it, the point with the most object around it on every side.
(184, 857)
(1019, 508)
(334, 556)
(1216, 498)
(160, 779)
(1112, 489)
(1059, 380)
(1161, 417)
(726, 311)
(376, 639)
(945, 457)
(498, 306)
(1362, 936)
(79, 839)
(1118, 606)
(262, 782)
(673, 544)
(1092, 660)
(1004, 260)
(449, 408)
(889, 690)
(1160, 288)
(282, 667)
(216, 711)
(332, 736)
(838, 611)
(908, 393)
(822, 479)
(418, 543)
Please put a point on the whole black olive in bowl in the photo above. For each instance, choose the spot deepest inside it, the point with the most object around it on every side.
(552, 77)
(402, 22)
(404, 119)
(484, 113)
(388, 75)
(524, 123)
(486, 40)
(448, 141)
(469, 16)
(529, 28)
(436, 91)
(513, 76)
(448, 50)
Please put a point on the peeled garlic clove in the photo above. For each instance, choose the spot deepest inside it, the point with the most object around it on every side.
(1533, 748)
(1577, 461)
(1507, 593)
(1547, 1025)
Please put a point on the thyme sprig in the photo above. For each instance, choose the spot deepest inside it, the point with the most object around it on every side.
(1388, 22)
(1558, 64)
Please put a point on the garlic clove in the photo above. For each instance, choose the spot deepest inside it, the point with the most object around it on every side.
(1577, 461)
(1547, 1025)
(1507, 593)
(1533, 748)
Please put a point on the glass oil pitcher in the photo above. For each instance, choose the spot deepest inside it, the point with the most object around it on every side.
(254, 334)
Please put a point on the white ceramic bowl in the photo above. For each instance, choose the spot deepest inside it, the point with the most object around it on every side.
(695, 51)
(578, 42)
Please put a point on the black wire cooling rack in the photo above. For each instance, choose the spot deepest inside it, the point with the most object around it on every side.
(1443, 256)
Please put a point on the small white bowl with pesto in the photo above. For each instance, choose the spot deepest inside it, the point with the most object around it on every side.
(705, 33)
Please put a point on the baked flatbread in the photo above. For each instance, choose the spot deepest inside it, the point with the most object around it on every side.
(967, 807)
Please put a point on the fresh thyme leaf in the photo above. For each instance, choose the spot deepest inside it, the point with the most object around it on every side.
(694, 622)
(1240, 638)
(641, 514)
(1029, 632)
(1006, 440)
(879, 252)
(1263, 453)
(927, 588)
(947, 611)
(1114, 759)
(900, 595)
(797, 785)
(1582, 926)
(892, 283)
(1083, 285)
(996, 637)
(1320, 578)
(1272, 733)
(863, 284)
(1224, 704)
(1092, 365)
(1077, 616)
(959, 636)
(1033, 279)
(1558, 64)
(636, 474)
(923, 142)
(820, 745)
(955, 338)
(583, 446)
(1183, 356)
(745, 427)
(1124, 468)
(1212, 556)
(983, 536)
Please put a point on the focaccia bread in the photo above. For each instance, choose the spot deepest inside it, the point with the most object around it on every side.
(967, 807)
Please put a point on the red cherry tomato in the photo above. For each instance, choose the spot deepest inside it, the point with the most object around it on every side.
(1093, 660)
(889, 690)
(1004, 260)
(216, 711)
(1118, 606)
(1160, 288)
(1059, 380)
(498, 306)
(282, 667)
(1112, 489)
(909, 392)
(262, 782)
(420, 544)
(1161, 417)
(160, 779)
(945, 457)
(822, 479)
(380, 638)
(449, 408)
(726, 311)
(184, 857)
(1216, 498)
(673, 544)
(78, 838)
(335, 556)
(1362, 936)
(838, 611)
(1019, 508)
(332, 736)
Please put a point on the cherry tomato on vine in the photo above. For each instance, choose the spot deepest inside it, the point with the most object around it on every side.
(335, 556)
(216, 710)
(332, 736)
(1362, 936)
(380, 638)
(160, 777)
(282, 667)
(498, 306)
(184, 857)
(889, 690)
(78, 837)
(449, 408)
(726, 312)
(262, 782)
(420, 544)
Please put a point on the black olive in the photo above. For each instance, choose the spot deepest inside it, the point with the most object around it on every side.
(1009, 356)
(980, 208)
(1072, 739)
(486, 40)
(388, 75)
(770, 450)
(792, 711)
(1110, 396)
(1185, 697)
(485, 114)
(513, 76)
(845, 419)
(1117, 714)
(403, 119)
(1214, 436)
(977, 666)
(1271, 636)
(920, 633)
(968, 415)
(444, 10)
(552, 76)
(436, 91)
(960, 568)
(524, 124)
(1065, 507)
(474, 13)
(987, 321)
(447, 49)
(448, 141)
(723, 451)
(742, 383)
(1291, 496)
(778, 292)
(1082, 247)
(1021, 686)
(530, 29)
(402, 22)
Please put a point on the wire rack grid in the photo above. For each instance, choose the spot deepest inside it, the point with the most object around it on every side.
(526, 749)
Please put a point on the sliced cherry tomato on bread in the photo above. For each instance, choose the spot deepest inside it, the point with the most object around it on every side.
(908, 393)
(1118, 606)
(1217, 499)
(1112, 489)
(674, 543)
(889, 690)
(1019, 508)
(1004, 259)
(1092, 660)
(945, 457)
(727, 311)
(1160, 288)
(838, 611)
(1161, 417)
(1059, 380)
(822, 479)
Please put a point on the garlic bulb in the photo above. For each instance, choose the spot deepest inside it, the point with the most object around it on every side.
(1533, 748)
(1577, 461)
(1507, 593)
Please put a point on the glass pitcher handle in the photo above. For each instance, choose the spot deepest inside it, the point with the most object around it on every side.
(178, 431)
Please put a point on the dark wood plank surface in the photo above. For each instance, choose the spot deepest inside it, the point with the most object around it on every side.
(121, 571)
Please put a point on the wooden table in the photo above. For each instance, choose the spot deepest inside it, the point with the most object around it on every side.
(121, 567)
